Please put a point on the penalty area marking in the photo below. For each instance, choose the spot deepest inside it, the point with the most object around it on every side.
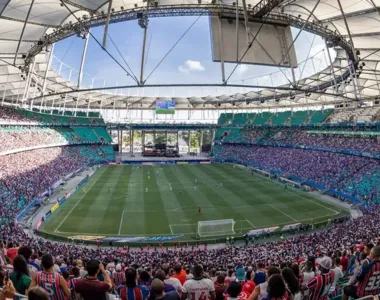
(85, 193)
(189, 224)
(121, 222)
(290, 217)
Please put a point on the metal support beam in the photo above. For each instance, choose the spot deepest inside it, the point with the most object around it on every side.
(2, 101)
(143, 56)
(347, 28)
(130, 141)
(332, 68)
(121, 141)
(201, 142)
(83, 60)
(237, 30)
(247, 29)
(88, 107)
(76, 105)
(106, 24)
(221, 50)
(28, 80)
(22, 31)
(47, 69)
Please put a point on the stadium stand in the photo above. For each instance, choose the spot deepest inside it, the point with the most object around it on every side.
(338, 251)
(357, 115)
(277, 118)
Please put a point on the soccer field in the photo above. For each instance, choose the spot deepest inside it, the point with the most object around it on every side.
(137, 201)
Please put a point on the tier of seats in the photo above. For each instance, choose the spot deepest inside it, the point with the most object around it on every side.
(276, 118)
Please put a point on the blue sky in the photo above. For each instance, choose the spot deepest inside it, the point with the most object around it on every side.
(189, 62)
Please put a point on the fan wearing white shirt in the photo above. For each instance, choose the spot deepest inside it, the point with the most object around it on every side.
(171, 280)
(198, 288)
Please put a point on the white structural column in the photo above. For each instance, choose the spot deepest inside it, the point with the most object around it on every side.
(28, 81)
(107, 23)
(332, 67)
(22, 31)
(80, 76)
(221, 50)
(247, 29)
(237, 30)
(47, 68)
(351, 66)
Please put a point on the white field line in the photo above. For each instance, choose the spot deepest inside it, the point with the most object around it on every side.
(121, 222)
(250, 223)
(60, 224)
(187, 224)
(290, 217)
(171, 229)
(315, 202)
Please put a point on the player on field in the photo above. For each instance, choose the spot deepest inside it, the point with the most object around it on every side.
(170, 187)
(146, 190)
(198, 288)
(199, 209)
(195, 187)
(368, 278)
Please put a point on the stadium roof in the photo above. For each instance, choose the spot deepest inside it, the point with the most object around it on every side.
(29, 27)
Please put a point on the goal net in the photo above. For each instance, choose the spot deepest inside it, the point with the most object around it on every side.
(216, 227)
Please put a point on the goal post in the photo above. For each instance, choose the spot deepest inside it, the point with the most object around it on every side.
(216, 227)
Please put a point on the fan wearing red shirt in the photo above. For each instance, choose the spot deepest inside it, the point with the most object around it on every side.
(344, 261)
(12, 251)
(220, 287)
(319, 286)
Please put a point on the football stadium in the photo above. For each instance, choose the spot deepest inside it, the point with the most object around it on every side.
(197, 150)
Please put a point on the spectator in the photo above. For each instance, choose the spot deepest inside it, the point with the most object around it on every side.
(307, 274)
(131, 291)
(26, 252)
(160, 274)
(367, 278)
(344, 261)
(76, 275)
(12, 251)
(118, 276)
(171, 280)
(145, 278)
(51, 282)
(189, 275)
(277, 289)
(220, 287)
(90, 288)
(292, 282)
(179, 273)
(38, 293)
(260, 274)
(233, 291)
(20, 275)
(338, 274)
(320, 285)
(198, 287)
(158, 288)
(261, 290)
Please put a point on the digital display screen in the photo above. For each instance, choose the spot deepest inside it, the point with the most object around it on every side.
(165, 107)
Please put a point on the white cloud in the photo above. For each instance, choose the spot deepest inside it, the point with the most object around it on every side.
(241, 69)
(190, 66)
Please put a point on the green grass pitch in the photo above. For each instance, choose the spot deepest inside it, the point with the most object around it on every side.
(115, 202)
